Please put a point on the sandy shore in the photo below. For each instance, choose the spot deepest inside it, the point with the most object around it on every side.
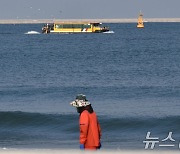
(50, 151)
(36, 21)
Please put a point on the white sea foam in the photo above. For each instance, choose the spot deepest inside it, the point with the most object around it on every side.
(32, 32)
(109, 32)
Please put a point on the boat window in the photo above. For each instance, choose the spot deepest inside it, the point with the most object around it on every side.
(77, 25)
(59, 26)
(96, 24)
(67, 26)
(87, 26)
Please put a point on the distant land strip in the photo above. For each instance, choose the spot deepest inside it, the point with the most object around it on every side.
(39, 21)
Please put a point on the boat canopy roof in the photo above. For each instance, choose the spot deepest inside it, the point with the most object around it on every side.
(80, 22)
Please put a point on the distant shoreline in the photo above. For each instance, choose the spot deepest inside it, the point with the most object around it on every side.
(40, 21)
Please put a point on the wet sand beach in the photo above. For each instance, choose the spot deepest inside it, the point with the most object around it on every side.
(50, 151)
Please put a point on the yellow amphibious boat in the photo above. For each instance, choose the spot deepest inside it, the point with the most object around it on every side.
(74, 27)
(140, 23)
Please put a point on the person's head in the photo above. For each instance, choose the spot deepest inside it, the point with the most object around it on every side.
(81, 104)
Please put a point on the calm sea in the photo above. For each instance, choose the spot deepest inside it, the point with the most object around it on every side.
(131, 77)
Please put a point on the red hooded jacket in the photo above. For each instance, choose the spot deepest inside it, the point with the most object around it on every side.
(90, 131)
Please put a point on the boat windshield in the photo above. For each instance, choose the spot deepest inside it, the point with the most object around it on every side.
(96, 24)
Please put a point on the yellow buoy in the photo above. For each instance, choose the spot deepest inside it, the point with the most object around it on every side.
(140, 23)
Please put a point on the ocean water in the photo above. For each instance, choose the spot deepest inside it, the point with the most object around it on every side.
(131, 77)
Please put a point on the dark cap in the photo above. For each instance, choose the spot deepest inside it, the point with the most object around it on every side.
(81, 97)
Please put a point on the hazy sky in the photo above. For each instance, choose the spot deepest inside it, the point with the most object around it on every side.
(81, 9)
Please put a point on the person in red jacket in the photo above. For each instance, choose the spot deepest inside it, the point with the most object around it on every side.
(90, 131)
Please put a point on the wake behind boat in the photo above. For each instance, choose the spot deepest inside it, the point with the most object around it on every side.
(32, 32)
(109, 32)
